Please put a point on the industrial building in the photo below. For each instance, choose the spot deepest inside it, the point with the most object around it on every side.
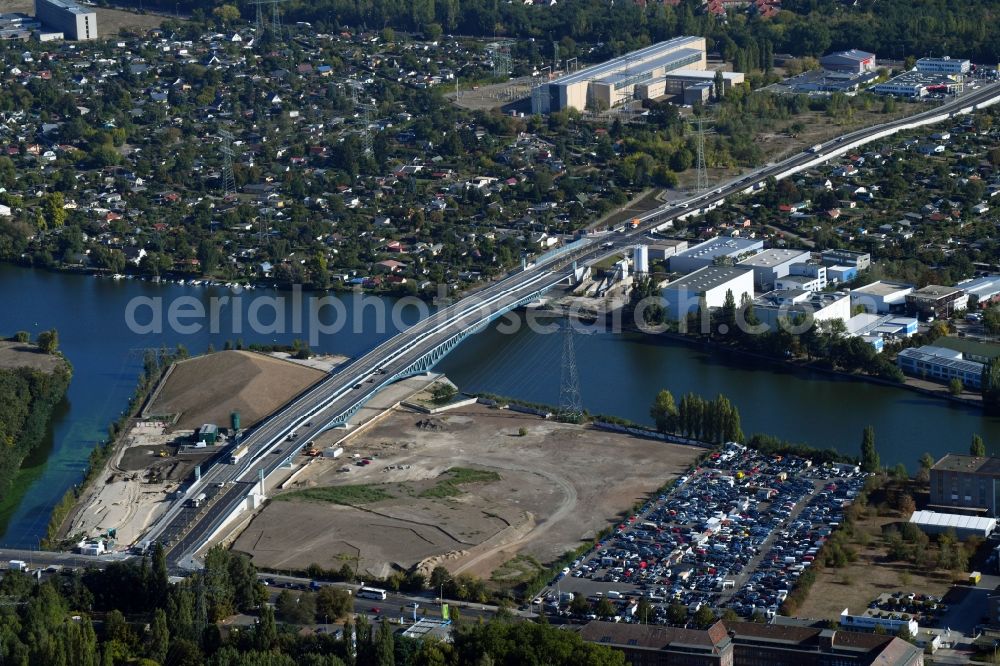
(689, 84)
(936, 301)
(774, 263)
(881, 297)
(664, 249)
(982, 291)
(853, 61)
(614, 82)
(966, 482)
(74, 21)
(721, 249)
(918, 84)
(707, 285)
(750, 644)
(933, 523)
(795, 305)
(941, 365)
(859, 260)
(18, 26)
(945, 65)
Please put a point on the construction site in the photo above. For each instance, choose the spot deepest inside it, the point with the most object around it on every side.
(470, 488)
(185, 425)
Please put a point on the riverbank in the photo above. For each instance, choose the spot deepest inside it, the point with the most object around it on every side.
(613, 317)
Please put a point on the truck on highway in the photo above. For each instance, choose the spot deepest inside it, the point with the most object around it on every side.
(17, 565)
(197, 500)
(815, 149)
(238, 453)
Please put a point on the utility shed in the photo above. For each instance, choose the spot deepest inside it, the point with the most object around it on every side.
(964, 527)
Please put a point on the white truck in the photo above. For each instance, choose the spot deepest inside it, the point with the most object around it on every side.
(17, 565)
(239, 452)
(815, 149)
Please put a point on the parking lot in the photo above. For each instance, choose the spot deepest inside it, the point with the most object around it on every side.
(736, 533)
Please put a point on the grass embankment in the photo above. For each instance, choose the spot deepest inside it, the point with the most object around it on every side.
(349, 495)
(449, 482)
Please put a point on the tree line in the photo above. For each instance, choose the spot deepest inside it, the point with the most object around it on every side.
(714, 421)
(130, 613)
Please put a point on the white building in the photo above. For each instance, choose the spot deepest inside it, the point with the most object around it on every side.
(881, 297)
(721, 249)
(613, 82)
(964, 527)
(74, 21)
(945, 65)
(709, 285)
(795, 305)
(640, 259)
(774, 263)
(869, 623)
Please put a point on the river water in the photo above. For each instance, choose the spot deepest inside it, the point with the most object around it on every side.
(619, 374)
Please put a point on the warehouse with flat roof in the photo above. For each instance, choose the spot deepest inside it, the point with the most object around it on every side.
(773, 264)
(707, 286)
(613, 82)
(720, 249)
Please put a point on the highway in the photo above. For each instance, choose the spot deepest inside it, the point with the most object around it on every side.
(184, 530)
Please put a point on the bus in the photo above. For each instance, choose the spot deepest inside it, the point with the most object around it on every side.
(371, 593)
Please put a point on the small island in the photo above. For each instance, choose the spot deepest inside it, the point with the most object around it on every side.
(34, 377)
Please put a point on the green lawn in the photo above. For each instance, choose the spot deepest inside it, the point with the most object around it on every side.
(338, 495)
(449, 482)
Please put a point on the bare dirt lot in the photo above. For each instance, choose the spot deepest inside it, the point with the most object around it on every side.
(109, 21)
(20, 355)
(558, 485)
(208, 388)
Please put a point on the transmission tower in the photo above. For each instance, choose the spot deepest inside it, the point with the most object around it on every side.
(500, 55)
(570, 403)
(367, 115)
(228, 178)
(261, 23)
(700, 165)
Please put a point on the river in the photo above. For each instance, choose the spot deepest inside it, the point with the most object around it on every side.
(619, 374)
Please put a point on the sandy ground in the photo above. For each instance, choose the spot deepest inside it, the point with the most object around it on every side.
(560, 484)
(136, 485)
(18, 355)
(208, 388)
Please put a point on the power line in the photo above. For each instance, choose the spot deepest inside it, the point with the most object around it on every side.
(570, 403)
(228, 177)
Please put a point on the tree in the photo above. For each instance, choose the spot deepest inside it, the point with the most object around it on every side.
(664, 412)
(385, 645)
(644, 611)
(677, 613)
(332, 603)
(978, 447)
(443, 393)
(22, 336)
(604, 608)
(869, 454)
(48, 341)
(159, 637)
(955, 386)
(226, 13)
(579, 606)
(704, 617)
(991, 387)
